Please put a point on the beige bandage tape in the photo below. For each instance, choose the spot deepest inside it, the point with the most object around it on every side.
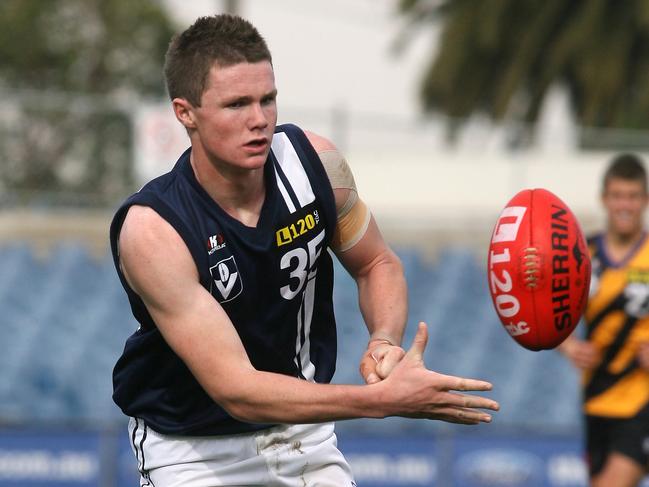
(351, 227)
(354, 215)
(340, 176)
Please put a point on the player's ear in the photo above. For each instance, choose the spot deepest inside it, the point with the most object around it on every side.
(184, 112)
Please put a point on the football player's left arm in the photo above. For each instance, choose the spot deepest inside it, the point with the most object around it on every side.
(377, 270)
(383, 300)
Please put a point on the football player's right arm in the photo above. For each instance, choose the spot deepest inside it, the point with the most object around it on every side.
(159, 267)
(581, 353)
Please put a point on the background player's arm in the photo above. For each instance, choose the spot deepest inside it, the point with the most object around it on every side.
(583, 354)
(378, 272)
(159, 267)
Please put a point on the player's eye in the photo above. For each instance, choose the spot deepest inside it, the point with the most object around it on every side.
(268, 100)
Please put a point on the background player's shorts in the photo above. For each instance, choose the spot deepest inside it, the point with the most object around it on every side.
(630, 437)
(282, 456)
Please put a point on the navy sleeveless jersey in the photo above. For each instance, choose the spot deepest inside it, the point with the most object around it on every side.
(274, 281)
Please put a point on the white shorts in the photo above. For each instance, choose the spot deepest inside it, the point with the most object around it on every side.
(282, 456)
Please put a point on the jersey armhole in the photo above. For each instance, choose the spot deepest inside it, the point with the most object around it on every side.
(168, 214)
(313, 166)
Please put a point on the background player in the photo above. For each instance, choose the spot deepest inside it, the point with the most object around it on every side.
(614, 356)
(225, 263)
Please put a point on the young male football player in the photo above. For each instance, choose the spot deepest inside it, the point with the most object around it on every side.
(226, 265)
(614, 357)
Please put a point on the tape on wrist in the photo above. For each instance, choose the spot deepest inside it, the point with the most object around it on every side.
(381, 337)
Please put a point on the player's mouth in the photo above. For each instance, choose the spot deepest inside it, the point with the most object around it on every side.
(625, 216)
(256, 146)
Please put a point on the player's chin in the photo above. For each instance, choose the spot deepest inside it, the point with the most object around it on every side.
(253, 161)
(627, 229)
(255, 158)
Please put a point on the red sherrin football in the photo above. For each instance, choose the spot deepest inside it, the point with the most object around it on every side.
(539, 269)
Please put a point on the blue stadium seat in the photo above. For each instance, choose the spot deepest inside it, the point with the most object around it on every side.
(58, 309)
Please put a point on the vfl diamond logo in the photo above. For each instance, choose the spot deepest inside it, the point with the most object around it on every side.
(226, 279)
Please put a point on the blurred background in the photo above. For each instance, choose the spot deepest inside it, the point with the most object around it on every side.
(444, 108)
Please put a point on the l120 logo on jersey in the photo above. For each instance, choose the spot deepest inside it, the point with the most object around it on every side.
(227, 280)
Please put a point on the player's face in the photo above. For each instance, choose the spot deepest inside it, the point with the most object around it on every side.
(237, 117)
(625, 202)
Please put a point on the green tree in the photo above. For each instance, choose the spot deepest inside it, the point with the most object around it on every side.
(68, 69)
(500, 57)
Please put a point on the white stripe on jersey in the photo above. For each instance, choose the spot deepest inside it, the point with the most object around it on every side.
(308, 369)
(305, 314)
(282, 189)
(293, 169)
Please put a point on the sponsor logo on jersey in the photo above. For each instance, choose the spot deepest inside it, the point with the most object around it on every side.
(298, 228)
(639, 275)
(227, 280)
(214, 243)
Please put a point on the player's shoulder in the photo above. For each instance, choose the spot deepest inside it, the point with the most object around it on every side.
(319, 143)
(143, 226)
(142, 215)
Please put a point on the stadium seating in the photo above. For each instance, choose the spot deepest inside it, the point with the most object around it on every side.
(65, 317)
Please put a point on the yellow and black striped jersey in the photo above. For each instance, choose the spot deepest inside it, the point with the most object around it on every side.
(617, 319)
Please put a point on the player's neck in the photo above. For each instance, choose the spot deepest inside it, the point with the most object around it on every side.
(239, 192)
(618, 245)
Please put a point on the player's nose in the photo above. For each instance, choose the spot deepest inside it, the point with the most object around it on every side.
(257, 118)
